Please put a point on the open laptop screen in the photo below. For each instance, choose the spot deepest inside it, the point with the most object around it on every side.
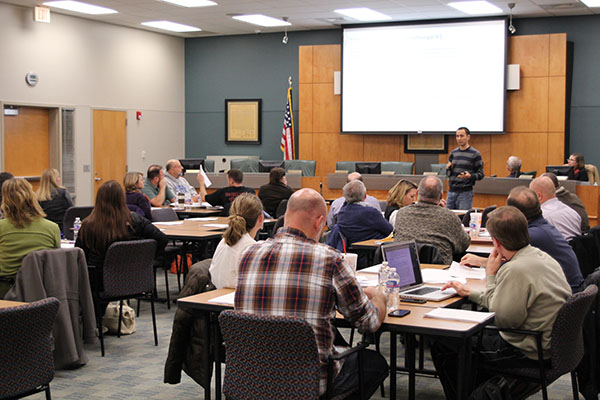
(403, 257)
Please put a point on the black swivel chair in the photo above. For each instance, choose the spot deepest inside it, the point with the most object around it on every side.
(69, 218)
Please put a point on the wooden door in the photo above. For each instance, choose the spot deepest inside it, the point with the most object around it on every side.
(110, 146)
(26, 143)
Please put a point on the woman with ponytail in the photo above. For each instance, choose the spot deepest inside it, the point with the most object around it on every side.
(245, 220)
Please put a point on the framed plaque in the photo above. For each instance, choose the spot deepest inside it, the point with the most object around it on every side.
(242, 121)
(425, 144)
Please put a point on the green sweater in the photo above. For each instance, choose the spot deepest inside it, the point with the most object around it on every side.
(16, 243)
(526, 293)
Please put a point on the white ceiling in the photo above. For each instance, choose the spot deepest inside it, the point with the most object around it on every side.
(302, 14)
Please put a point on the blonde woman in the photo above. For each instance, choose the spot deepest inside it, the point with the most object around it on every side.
(402, 194)
(245, 220)
(54, 198)
(23, 229)
(135, 199)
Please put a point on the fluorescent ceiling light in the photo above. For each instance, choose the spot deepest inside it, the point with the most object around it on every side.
(171, 26)
(262, 20)
(475, 7)
(591, 3)
(363, 14)
(192, 3)
(80, 7)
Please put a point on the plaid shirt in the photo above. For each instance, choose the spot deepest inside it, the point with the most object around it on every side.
(295, 276)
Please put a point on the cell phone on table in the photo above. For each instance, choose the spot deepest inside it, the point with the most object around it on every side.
(399, 313)
(416, 301)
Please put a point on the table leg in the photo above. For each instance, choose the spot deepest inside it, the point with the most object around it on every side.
(217, 349)
(393, 355)
(207, 361)
(410, 359)
(464, 369)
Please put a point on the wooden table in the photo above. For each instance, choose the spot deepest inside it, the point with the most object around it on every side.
(480, 245)
(8, 303)
(413, 324)
(188, 212)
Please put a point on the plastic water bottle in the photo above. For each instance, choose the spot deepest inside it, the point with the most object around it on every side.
(180, 197)
(188, 199)
(76, 227)
(383, 275)
(393, 289)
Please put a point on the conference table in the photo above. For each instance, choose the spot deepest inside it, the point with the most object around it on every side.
(412, 325)
(190, 212)
(9, 303)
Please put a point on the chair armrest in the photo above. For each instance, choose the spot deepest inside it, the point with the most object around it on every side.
(512, 330)
(344, 354)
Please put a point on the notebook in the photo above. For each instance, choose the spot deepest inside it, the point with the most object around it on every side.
(403, 256)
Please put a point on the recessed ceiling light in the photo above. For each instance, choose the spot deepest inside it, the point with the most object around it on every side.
(591, 3)
(262, 20)
(80, 7)
(475, 7)
(363, 14)
(192, 3)
(171, 26)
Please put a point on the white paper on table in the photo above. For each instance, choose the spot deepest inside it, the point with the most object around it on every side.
(67, 244)
(459, 315)
(366, 281)
(225, 299)
(205, 204)
(432, 275)
(220, 226)
(202, 219)
(371, 270)
(207, 181)
(466, 272)
(168, 223)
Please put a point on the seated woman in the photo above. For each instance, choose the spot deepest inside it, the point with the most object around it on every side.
(23, 229)
(402, 194)
(577, 171)
(135, 199)
(111, 221)
(54, 198)
(275, 191)
(245, 220)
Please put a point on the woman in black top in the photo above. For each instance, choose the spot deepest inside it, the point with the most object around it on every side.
(111, 221)
(275, 191)
(54, 198)
(577, 171)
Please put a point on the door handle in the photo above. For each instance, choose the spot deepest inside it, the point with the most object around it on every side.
(97, 179)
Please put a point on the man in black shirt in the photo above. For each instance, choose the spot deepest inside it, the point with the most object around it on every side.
(225, 196)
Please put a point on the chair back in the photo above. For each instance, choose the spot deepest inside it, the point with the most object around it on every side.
(439, 168)
(273, 357)
(69, 218)
(164, 215)
(486, 213)
(348, 166)
(244, 165)
(307, 167)
(209, 165)
(26, 360)
(593, 176)
(587, 249)
(429, 254)
(281, 208)
(399, 167)
(128, 268)
(567, 328)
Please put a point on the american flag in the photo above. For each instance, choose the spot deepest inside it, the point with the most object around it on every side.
(287, 135)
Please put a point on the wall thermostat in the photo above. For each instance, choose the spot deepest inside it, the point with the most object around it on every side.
(32, 78)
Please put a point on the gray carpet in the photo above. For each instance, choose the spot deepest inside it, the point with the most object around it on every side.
(133, 368)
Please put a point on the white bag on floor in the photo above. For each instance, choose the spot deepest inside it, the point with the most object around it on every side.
(111, 319)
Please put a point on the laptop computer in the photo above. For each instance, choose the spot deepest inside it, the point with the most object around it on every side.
(403, 256)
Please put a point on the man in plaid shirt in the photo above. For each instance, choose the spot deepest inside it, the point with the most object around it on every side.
(295, 275)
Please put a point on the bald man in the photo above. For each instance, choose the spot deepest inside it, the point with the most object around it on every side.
(563, 217)
(340, 202)
(177, 183)
(293, 274)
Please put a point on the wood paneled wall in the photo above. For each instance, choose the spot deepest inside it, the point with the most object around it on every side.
(535, 115)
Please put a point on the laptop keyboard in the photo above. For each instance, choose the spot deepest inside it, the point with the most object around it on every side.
(422, 291)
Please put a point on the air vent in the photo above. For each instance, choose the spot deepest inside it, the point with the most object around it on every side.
(563, 6)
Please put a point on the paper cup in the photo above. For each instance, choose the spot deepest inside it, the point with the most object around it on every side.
(351, 259)
(475, 224)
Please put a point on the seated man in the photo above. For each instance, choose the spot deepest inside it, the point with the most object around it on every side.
(571, 200)
(356, 220)
(293, 274)
(427, 222)
(338, 203)
(156, 187)
(177, 183)
(225, 196)
(513, 165)
(520, 299)
(563, 217)
(542, 235)
(275, 191)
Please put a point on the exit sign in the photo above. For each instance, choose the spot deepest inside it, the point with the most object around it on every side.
(41, 14)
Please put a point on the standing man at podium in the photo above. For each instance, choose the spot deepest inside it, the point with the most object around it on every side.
(464, 168)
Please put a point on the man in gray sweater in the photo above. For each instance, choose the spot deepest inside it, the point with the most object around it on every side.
(517, 295)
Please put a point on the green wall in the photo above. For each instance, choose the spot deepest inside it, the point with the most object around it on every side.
(242, 67)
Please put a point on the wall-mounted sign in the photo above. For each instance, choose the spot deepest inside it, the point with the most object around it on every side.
(41, 14)
(32, 78)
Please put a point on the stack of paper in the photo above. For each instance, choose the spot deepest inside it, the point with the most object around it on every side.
(459, 315)
(432, 275)
(366, 281)
(168, 223)
(462, 271)
(225, 299)
(371, 270)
